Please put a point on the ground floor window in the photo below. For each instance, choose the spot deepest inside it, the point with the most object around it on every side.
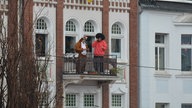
(186, 105)
(116, 100)
(70, 100)
(161, 105)
(89, 100)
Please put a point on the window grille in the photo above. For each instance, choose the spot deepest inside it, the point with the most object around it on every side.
(41, 24)
(89, 100)
(116, 100)
(88, 27)
(116, 29)
(70, 100)
(70, 26)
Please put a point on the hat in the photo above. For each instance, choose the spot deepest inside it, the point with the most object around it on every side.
(100, 35)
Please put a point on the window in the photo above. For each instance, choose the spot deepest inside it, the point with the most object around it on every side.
(69, 44)
(41, 39)
(70, 100)
(186, 52)
(160, 51)
(89, 100)
(116, 40)
(116, 100)
(186, 105)
(161, 105)
(41, 24)
(70, 26)
(41, 43)
(90, 40)
(116, 29)
(88, 27)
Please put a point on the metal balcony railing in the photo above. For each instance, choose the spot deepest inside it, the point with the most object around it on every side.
(88, 66)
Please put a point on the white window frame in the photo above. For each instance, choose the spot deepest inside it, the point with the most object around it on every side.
(43, 29)
(89, 27)
(117, 34)
(76, 98)
(122, 100)
(165, 47)
(94, 101)
(71, 31)
(161, 105)
(189, 105)
(186, 46)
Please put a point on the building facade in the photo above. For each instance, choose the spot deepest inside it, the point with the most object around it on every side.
(59, 24)
(165, 54)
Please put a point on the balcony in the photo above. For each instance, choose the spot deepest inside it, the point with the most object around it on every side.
(89, 68)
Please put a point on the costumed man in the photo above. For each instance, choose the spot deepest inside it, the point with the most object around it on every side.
(81, 48)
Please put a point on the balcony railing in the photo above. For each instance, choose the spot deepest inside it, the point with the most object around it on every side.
(73, 65)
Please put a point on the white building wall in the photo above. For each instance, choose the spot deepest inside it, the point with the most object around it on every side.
(170, 86)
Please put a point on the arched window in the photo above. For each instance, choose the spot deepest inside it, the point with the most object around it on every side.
(116, 40)
(41, 24)
(41, 38)
(88, 27)
(70, 26)
(70, 38)
(116, 29)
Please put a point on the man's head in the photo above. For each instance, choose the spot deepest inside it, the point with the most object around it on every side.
(100, 36)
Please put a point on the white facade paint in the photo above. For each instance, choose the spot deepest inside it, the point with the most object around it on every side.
(80, 17)
(171, 86)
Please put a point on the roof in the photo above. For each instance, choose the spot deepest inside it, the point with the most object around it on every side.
(166, 5)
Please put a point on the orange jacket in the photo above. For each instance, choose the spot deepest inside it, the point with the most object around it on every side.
(99, 48)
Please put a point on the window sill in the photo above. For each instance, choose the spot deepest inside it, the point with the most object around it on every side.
(184, 75)
(162, 74)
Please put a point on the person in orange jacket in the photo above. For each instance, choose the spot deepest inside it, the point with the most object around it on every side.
(81, 48)
(100, 46)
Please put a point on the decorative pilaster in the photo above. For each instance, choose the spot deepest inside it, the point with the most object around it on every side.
(59, 54)
(133, 49)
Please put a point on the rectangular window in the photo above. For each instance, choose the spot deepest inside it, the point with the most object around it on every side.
(162, 105)
(160, 51)
(186, 105)
(89, 41)
(69, 44)
(41, 44)
(116, 100)
(70, 100)
(116, 47)
(89, 100)
(186, 47)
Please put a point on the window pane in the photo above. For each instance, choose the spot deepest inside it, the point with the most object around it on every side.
(88, 27)
(161, 59)
(162, 105)
(116, 100)
(159, 38)
(70, 100)
(88, 100)
(116, 29)
(156, 58)
(186, 59)
(89, 41)
(186, 39)
(116, 47)
(41, 24)
(69, 44)
(40, 44)
(70, 26)
(186, 106)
